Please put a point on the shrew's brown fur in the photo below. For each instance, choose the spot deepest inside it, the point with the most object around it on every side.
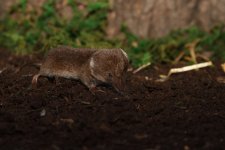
(91, 66)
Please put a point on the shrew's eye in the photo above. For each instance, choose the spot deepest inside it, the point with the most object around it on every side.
(110, 75)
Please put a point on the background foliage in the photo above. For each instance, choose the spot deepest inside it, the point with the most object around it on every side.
(87, 28)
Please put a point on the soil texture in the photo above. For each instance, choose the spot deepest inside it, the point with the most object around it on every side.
(185, 112)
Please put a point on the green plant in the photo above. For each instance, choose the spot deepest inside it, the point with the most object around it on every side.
(40, 31)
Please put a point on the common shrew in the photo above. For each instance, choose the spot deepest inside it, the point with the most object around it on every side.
(91, 66)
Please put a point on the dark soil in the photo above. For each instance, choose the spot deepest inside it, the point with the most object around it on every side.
(185, 112)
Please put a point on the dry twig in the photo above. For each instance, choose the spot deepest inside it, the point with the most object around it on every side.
(223, 67)
(141, 68)
(184, 69)
(85, 102)
(178, 58)
(191, 47)
(2, 70)
(67, 120)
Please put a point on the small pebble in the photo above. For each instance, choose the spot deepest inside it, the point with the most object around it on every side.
(43, 113)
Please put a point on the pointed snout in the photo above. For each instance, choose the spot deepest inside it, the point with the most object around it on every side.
(119, 84)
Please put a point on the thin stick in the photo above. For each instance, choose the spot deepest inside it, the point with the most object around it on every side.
(2, 70)
(191, 47)
(189, 68)
(223, 67)
(184, 69)
(177, 59)
(202, 57)
(141, 68)
(193, 55)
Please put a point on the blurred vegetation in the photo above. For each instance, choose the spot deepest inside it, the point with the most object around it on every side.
(87, 28)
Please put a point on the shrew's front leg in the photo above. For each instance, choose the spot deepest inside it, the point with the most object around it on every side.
(35, 80)
(91, 84)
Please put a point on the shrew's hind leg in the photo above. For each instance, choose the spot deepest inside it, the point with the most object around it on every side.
(35, 80)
